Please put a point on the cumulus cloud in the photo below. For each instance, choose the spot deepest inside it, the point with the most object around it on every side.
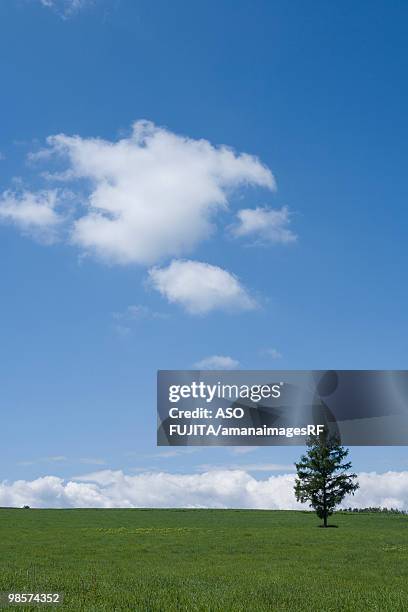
(200, 287)
(33, 213)
(212, 489)
(387, 490)
(217, 362)
(151, 195)
(264, 225)
(114, 489)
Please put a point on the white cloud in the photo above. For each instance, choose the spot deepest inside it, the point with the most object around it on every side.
(272, 352)
(212, 489)
(242, 450)
(216, 489)
(175, 452)
(387, 490)
(55, 458)
(217, 362)
(152, 195)
(248, 467)
(92, 461)
(136, 312)
(125, 320)
(63, 459)
(264, 225)
(200, 287)
(33, 213)
(65, 8)
(133, 312)
(123, 331)
(169, 453)
(52, 459)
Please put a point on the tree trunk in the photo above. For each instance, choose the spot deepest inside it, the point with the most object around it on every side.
(324, 506)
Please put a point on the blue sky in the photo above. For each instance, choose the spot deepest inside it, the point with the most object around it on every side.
(318, 93)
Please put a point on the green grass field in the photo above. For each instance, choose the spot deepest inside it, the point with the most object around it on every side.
(243, 560)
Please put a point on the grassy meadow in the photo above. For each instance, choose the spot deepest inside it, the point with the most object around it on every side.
(221, 560)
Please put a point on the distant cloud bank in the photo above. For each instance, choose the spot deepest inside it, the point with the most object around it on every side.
(212, 489)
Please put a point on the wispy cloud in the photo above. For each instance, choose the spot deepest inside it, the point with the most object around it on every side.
(123, 331)
(137, 312)
(242, 450)
(264, 225)
(92, 461)
(52, 459)
(55, 458)
(272, 352)
(63, 459)
(33, 213)
(125, 320)
(247, 467)
(166, 453)
(217, 362)
(66, 8)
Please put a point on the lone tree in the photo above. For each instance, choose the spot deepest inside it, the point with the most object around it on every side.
(322, 478)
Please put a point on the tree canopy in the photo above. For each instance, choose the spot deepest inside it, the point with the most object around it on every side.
(322, 475)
